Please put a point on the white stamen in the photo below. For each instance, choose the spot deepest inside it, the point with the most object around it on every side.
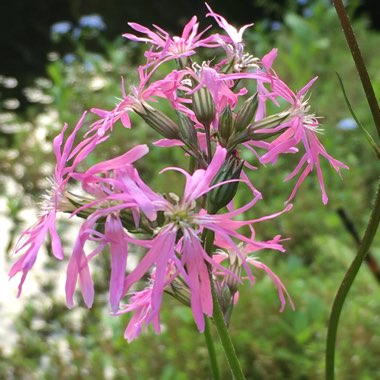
(49, 200)
(309, 120)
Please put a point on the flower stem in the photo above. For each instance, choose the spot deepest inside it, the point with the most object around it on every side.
(211, 352)
(375, 215)
(359, 62)
(346, 285)
(225, 338)
(218, 318)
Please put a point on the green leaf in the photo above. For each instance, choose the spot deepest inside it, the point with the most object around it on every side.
(370, 139)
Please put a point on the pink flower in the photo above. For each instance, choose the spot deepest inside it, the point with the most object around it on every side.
(117, 187)
(173, 47)
(221, 93)
(236, 36)
(263, 93)
(300, 126)
(161, 253)
(117, 180)
(32, 238)
(282, 292)
(146, 90)
(233, 43)
(247, 249)
(188, 255)
(140, 306)
(118, 240)
(192, 266)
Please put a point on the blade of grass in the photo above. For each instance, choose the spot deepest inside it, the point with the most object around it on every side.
(369, 138)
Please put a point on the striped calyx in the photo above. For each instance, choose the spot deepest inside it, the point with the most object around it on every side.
(203, 106)
(226, 125)
(246, 113)
(187, 131)
(221, 195)
(267, 123)
(158, 121)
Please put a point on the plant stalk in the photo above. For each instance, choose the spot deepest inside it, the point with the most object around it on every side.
(218, 318)
(375, 214)
(211, 352)
(224, 336)
(359, 62)
(346, 285)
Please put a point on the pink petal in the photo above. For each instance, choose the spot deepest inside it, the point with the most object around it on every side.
(127, 158)
(114, 232)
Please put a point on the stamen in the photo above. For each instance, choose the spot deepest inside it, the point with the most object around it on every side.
(50, 198)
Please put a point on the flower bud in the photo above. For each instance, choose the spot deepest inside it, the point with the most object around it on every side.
(158, 121)
(203, 106)
(179, 290)
(72, 202)
(267, 123)
(187, 131)
(223, 194)
(246, 113)
(226, 125)
(234, 266)
(225, 299)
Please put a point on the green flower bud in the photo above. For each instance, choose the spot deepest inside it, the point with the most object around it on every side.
(268, 122)
(71, 202)
(234, 266)
(226, 125)
(180, 291)
(246, 113)
(223, 194)
(225, 299)
(158, 121)
(203, 106)
(187, 131)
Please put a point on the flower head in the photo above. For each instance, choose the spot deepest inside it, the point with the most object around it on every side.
(172, 47)
(31, 239)
(299, 127)
(233, 44)
(188, 255)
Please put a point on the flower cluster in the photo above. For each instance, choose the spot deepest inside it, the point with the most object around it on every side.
(192, 243)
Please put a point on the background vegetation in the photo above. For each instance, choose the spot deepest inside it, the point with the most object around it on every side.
(53, 342)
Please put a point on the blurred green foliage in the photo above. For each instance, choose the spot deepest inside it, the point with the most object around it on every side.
(80, 344)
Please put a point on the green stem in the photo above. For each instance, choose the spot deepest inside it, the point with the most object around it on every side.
(375, 215)
(359, 62)
(218, 318)
(346, 285)
(211, 352)
(224, 336)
